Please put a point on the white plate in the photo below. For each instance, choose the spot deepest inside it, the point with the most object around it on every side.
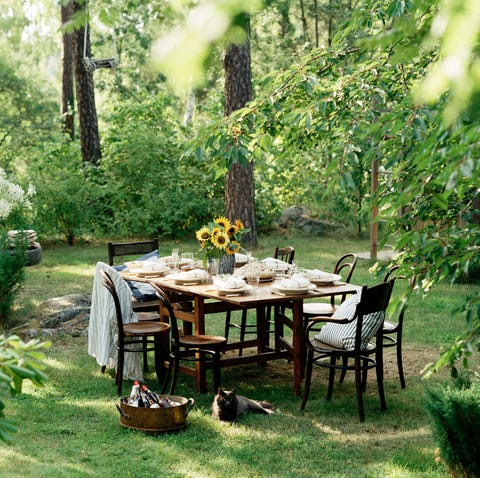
(292, 291)
(238, 290)
(145, 273)
(187, 281)
(326, 279)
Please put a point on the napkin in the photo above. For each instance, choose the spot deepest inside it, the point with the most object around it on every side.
(276, 264)
(229, 283)
(296, 282)
(318, 274)
(193, 274)
(154, 266)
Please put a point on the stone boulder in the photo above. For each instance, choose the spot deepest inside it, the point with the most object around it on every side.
(298, 218)
(69, 314)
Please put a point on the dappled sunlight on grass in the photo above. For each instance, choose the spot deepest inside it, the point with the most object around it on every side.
(72, 428)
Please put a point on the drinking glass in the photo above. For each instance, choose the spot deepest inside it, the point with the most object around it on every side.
(187, 260)
(213, 267)
(175, 259)
(256, 271)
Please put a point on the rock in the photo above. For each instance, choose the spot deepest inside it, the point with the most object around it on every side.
(298, 217)
(69, 314)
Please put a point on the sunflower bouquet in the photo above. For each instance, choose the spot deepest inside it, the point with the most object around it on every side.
(220, 237)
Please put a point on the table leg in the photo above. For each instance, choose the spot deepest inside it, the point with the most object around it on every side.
(262, 330)
(299, 349)
(199, 312)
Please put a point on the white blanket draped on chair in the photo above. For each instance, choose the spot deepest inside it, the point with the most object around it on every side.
(102, 328)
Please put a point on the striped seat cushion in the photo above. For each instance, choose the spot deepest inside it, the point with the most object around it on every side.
(343, 335)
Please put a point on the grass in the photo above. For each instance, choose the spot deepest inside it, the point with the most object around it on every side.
(70, 428)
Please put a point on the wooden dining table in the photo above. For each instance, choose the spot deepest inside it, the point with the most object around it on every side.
(206, 300)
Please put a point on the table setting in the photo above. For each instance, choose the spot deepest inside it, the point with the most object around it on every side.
(297, 284)
(191, 277)
(230, 286)
(153, 267)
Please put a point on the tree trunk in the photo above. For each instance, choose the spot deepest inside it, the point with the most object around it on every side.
(68, 98)
(330, 23)
(239, 183)
(87, 113)
(304, 22)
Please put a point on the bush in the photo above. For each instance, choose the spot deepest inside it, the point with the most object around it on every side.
(12, 267)
(67, 193)
(150, 187)
(455, 413)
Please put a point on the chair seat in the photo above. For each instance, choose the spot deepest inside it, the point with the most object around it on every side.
(145, 328)
(389, 327)
(320, 346)
(202, 340)
(147, 316)
(318, 308)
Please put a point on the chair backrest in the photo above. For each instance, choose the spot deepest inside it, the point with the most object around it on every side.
(285, 254)
(165, 302)
(401, 305)
(359, 319)
(370, 311)
(110, 286)
(346, 264)
(130, 248)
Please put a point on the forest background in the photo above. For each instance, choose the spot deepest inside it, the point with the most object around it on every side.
(338, 87)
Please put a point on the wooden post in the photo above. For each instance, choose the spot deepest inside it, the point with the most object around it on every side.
(374, 222)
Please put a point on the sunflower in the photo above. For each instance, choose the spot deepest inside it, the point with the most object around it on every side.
(233, 247)
(220, 240)
(239, 225)
(222, 221)
(203, 234)
(216, 231)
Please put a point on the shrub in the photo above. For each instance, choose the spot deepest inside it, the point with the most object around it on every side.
(455, 414)
(12, 267)
(66, 200)
(150, 186)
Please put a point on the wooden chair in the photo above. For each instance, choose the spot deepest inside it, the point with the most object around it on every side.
(285, 254)
(122, 249)
(135, 337)
(352, 337)
(345, 265)
(189, 347)
(145, 309)
(393, 330)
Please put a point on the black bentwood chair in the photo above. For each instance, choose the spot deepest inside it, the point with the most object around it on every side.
(345, 338)
(285, 254)
(135, 337)
(189, 347)
(392, 330)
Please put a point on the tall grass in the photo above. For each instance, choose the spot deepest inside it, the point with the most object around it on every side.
(71, 428)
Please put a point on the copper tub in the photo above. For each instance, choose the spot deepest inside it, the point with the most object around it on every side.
(156, 419)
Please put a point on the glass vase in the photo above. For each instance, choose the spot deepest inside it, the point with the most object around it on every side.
(226, 264)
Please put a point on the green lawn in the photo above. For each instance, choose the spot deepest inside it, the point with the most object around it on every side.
(70, 428)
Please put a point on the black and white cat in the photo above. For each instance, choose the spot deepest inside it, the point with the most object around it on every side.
(227, 406)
